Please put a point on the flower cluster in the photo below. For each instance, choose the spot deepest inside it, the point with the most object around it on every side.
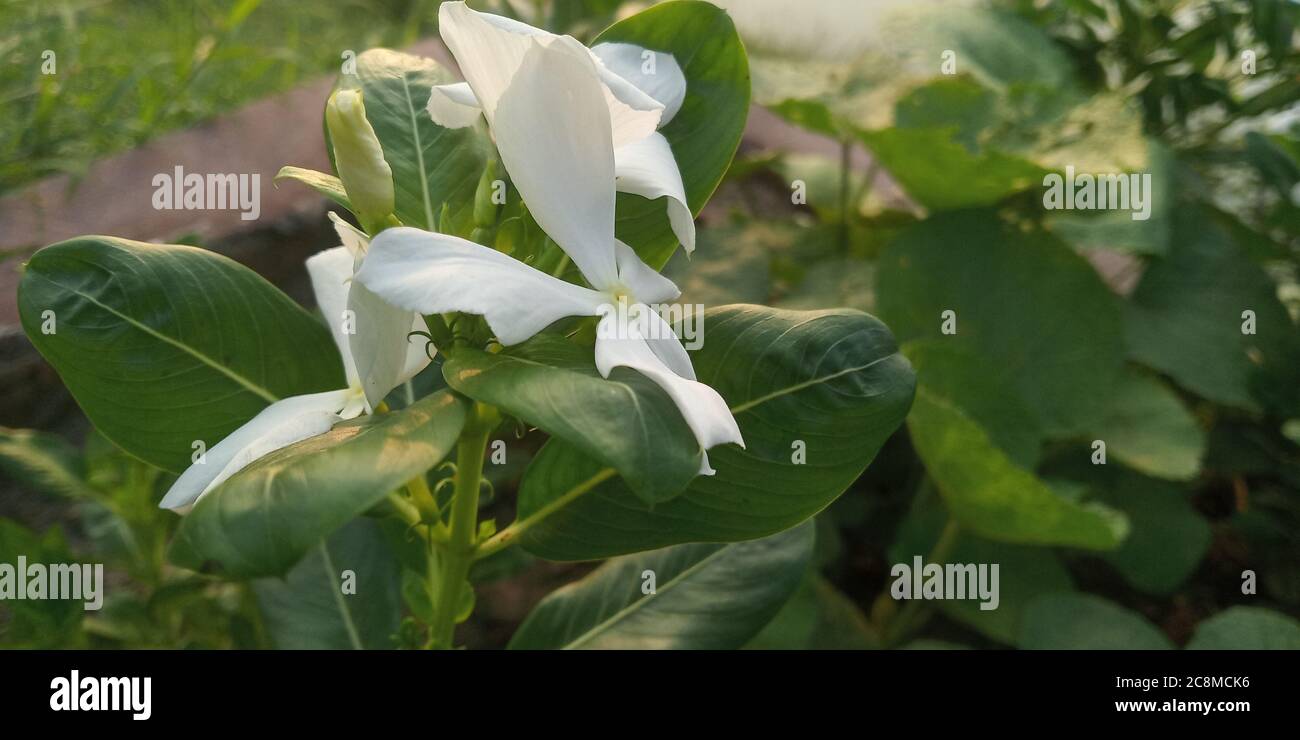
(572, 125)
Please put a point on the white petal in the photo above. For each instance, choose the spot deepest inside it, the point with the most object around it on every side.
(278, 425)
(661, 340)
(331, 275)
(453, 106)
(658, 76)
(383, 355)
(645, 284)
(351, 237)
(436, 273)
(618, 344)
(490, 49)
(648, 168)
(555, 142)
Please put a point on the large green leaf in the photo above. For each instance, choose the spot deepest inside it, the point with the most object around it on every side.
(1169, 537)
(967, 381)
(1147, 427)
(269, 515)
(705, 597)
(1071, 621)
(706, 130)
(990, 495)
(1185, 319)
(164, 346)
(829, 384)
(1247, 628)
(346, 594)
(1025, 303)
(929, 163)
(626, 422)
(431, 165)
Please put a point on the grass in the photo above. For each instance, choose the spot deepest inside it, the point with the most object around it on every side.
(128, 70)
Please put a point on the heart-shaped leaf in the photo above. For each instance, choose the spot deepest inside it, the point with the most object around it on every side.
(166, 346)
(626, 422)
(266, 517)
(816, 393)
(688, 597)
(431, 165)
(706, 130)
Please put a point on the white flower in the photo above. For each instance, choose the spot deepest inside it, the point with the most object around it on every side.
(554, 132)
(372, 339)
(642, 89)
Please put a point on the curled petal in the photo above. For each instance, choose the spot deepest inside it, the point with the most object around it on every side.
(279, 425)
(490, 49)
(384, 356)
(644, 283)
(435, 273)
(655, 73)
(453, 106)
(620, 343)
(331, 275)
(648, 168)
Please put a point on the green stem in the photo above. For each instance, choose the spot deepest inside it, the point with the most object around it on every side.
(458, 553)
(905, 622)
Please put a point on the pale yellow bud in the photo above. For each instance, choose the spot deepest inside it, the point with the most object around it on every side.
(358, 157)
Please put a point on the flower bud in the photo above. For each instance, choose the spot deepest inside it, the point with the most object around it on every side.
(358, 157)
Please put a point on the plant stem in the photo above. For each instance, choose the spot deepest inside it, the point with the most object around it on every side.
(458, 553)
(903, 624)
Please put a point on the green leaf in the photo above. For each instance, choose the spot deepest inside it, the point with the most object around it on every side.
(795, 381)
(941, 174)
(626, 422)
(705, 597)
(989, 495)
(310, 610)
(431, 165)
(706, 130)
(43, 461)
(269, 515)
(846, 281)
(163, 346)
(1186, 320)
(1168, 537)
(1147, 427)
(1086, 622)
(1036, 310)
(40, 623)
(1247, 628)
(964, 379)
(1024, 572)
(327, 185)
(817, 617)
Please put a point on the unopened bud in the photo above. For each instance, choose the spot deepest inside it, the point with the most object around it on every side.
(358, 156)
